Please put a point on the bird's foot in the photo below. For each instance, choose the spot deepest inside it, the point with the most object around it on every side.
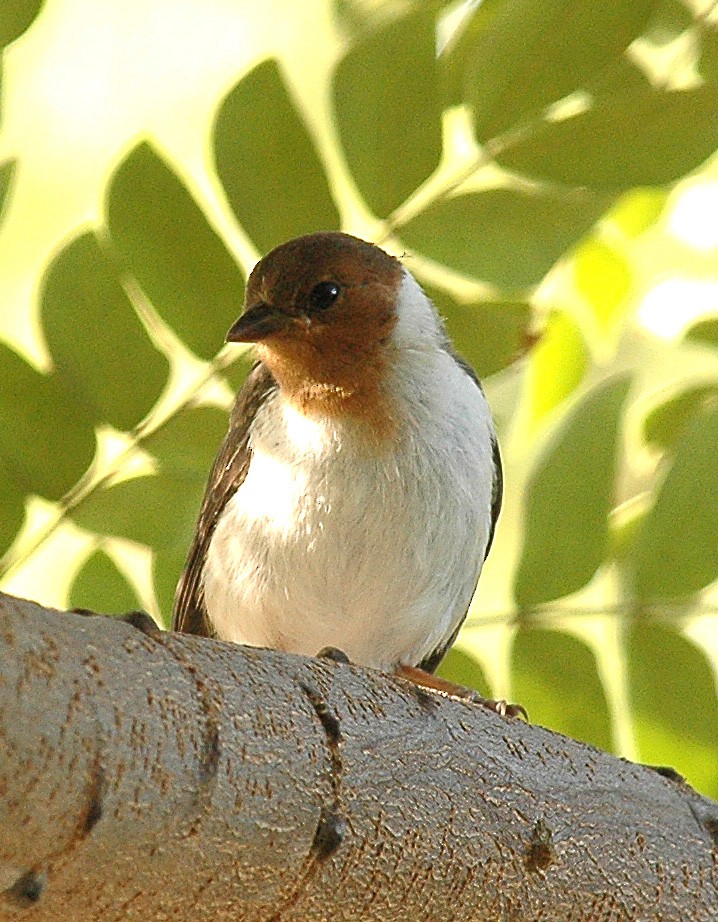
(333, 653)
(428, 680)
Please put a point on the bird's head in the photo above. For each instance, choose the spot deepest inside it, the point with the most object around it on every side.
(321, 310)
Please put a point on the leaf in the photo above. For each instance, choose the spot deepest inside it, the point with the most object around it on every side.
(100, 587)
(569, 498)
(489, 334)
(47, 439)
(638, 210)
(648, 138)
(506, 237)
(666, 423)
(7, 176)
(386, 97)
(673, 704)
(167, 243)
(554, 676)
(603, 276)
(159, 511)
(558, 364)
(16, 16)
(462, 669)
(167, 567)
(12, 506)
(188, 443)
(705, 333)
(268, 162)
(96, 339)
(533, 53)
(677, 549)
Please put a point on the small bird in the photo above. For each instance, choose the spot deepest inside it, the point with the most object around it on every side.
(354, 499)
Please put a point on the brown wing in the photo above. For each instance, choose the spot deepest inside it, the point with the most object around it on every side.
(228, 472)
(430, 662)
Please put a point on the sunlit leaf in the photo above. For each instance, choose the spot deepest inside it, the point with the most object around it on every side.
(569, 498)
(98, 345)
(189, 442)
(47, 438)
(489, 335)
(386, 95)
(673, 703)
(99, 586)
(554, 676)
(638, 210)
(666, 423)
(507, 237)
(671, 19)
(167, 243)
(461, 668)
(677, 550)
(705, 332)
(558, 364)
(268, 162)
(533, 53)
(603, 276)
(16, 16)
(602, 148)
(7, 175)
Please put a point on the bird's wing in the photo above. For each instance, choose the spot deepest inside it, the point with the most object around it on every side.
(430, 662)
(228, 472)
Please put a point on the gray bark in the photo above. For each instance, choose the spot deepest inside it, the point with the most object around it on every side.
(154, 776)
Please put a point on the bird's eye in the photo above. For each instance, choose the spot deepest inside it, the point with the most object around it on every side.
(323, 295)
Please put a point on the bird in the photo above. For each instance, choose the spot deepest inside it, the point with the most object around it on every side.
(355, 497)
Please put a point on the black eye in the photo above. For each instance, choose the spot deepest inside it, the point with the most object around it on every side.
(323, 295)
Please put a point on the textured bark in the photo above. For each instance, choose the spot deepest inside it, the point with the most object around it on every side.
(148, 776)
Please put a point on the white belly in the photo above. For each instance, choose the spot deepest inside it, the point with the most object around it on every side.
(329, 544)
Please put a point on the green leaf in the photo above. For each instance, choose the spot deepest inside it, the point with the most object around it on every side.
(47, 438)
(12, 506)
(708, 64)
(569, 498)
(677, 550)
(159, 511)
(268, 162)
(666, 423)
(554, 676)
(648, 138)
(558, 364)
(16, 16)
(638, 210)
(489, 334)
(705, 333)
(462, 669)
(167, 566)
(533, 53)
(673, 703)
(100, 587)
(7, 175)
(188, 443)
(96, 339)
(603, 276)
(386, 96)
(507, 237)
(167, 243)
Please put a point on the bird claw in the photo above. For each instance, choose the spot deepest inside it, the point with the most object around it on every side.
(501, 707)
(335, 654)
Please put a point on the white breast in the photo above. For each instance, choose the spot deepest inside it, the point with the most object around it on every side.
(327, 543)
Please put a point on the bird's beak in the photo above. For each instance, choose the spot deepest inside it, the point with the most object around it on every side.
(257, 322)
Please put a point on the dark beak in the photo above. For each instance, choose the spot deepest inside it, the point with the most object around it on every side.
(257, 322)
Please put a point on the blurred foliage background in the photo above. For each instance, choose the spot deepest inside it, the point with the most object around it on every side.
(546, 167)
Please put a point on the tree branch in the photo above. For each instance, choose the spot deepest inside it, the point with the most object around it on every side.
(146, 775)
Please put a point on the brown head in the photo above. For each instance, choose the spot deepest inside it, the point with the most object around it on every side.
(321, 309)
